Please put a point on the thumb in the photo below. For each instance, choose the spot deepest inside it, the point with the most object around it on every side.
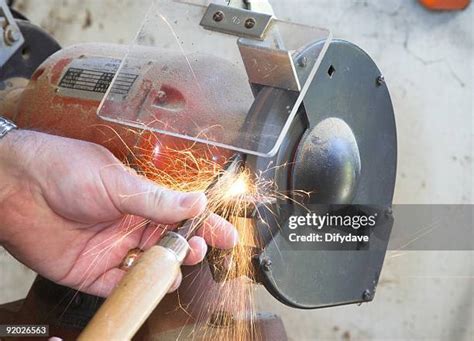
(136, 195)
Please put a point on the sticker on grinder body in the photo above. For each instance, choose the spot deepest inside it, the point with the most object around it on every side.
(89, 78)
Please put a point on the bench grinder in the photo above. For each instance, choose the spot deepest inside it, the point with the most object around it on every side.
(312, 112)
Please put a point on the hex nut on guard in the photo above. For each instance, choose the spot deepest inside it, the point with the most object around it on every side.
(303, 61)
(380, 80)
(12, 35)
(266, 264)
(367, 295)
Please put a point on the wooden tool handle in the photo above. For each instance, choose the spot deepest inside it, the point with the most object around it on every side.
(136, 296)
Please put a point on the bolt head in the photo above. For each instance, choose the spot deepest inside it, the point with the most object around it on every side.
(161, 97)
(267, 264)
(367, 295)
(12, 35)
(380, 80)
(218, 16)
(303, 61)
(250, 23)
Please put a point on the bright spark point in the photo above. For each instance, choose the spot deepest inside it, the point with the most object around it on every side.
(237, 188)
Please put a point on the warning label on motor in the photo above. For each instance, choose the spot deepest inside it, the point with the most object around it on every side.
(91, 77)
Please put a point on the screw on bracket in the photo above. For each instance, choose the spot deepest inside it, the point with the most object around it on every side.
(250, 23)
(218, 16)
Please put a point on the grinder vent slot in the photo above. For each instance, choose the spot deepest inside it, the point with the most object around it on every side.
(331, 71)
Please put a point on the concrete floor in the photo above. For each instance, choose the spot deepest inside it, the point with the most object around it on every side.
(427, 60)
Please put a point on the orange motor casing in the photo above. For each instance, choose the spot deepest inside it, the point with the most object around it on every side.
(65, 92)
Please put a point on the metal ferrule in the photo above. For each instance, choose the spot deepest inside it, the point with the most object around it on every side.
(6, 126)
(176, 244)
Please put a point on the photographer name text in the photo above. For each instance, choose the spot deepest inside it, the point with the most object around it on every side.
(350, 224)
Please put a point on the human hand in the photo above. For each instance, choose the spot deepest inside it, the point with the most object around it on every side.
(71, 211)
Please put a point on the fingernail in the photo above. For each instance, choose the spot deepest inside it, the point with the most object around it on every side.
(190, 200)
(203, 248)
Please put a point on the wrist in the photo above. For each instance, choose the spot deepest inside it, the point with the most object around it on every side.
(12, 176)
(12, 165)
(8, 146)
